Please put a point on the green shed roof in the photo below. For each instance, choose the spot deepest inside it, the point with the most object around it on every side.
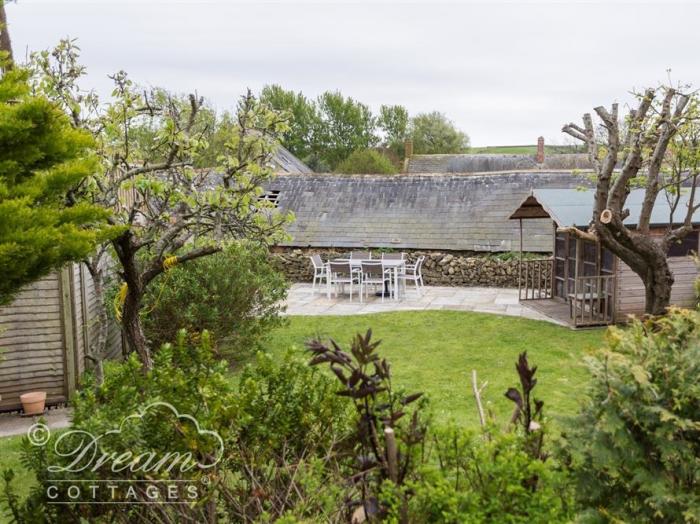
(573, 207)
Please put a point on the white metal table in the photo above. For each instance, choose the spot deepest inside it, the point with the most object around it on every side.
(393, 264)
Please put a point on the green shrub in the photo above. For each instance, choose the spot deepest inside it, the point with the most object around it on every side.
(281, 424)
(235, 295)
(487, 477)
(366, 162)
(635, 447)
(127, 415)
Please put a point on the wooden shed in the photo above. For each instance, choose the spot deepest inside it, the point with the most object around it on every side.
(43, 336)
(584, 284)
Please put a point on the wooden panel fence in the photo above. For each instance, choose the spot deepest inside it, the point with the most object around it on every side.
(44, 334)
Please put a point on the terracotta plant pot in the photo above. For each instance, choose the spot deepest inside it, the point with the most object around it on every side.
(33, 403)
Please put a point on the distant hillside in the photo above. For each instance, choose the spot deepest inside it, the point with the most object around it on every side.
(525, 150)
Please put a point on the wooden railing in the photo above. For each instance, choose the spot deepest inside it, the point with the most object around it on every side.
(535, 280)
(593, 301)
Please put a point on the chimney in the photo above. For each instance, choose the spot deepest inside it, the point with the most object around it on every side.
(540, 150)
(408, 148)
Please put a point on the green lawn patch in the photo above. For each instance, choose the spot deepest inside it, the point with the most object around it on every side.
(435, 351)
(10, 453)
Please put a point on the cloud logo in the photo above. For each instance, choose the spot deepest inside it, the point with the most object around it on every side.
(85, 450)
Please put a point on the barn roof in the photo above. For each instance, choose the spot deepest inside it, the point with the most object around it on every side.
(488, 163)
(438, 211)
(573, 207)
(285, 162)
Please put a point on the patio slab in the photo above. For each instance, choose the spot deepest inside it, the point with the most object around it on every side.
(13, 424)
(499, 301)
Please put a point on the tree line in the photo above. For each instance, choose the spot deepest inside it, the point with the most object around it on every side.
(325, 131)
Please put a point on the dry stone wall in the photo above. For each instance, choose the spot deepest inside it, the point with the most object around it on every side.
(440, 268)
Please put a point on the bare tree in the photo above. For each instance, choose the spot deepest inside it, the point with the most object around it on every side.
(654, 148)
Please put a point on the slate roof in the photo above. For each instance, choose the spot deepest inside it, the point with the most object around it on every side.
(486, 163)
(437, 211)
(285, 162)
(572, 207)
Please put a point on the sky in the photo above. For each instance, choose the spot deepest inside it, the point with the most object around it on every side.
(505, 73)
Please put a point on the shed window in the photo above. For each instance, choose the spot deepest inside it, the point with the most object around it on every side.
(684, 247)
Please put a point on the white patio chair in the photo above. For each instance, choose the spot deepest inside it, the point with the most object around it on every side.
(374, 274)
(414, 273)
(360, 255)
(320, 272)
(341, 273)
(393, 256)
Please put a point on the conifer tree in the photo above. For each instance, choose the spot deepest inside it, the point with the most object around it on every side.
(44, 164)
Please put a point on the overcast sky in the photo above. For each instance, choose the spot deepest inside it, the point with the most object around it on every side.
(503, 72)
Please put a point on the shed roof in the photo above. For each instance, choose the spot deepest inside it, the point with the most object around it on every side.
(573, 207)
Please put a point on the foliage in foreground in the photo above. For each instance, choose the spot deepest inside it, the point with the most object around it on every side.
(43, 163)
(366, 161)
(281, 426)
(235, 295)
(399, 480)
(635, 448)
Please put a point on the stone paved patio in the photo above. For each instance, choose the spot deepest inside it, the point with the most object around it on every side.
(302, 301)
(13, 424)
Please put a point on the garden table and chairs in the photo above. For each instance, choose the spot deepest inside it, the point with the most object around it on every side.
(360, 271)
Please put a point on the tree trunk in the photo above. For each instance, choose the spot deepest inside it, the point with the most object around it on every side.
(5, 42)
(131, 318)
(657, 284)
(647, 257)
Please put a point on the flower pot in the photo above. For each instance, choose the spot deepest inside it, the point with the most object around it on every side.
(33, 403)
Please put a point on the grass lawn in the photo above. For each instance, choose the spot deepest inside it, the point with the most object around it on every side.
(435, 351)
(10, 459)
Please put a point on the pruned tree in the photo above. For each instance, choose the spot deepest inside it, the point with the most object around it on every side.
(655, 148)
(169, 212)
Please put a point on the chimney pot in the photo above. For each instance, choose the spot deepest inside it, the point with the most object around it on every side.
(540, 150)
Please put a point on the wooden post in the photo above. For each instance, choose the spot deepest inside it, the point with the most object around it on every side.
(477, 396)
(68, 331)
(520, 263)
(391, 454)
(85, 315)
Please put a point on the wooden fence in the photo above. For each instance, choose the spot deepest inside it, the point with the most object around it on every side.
(535, 282)
(44, 334)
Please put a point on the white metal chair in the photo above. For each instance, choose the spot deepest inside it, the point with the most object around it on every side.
(414, 273)
(375, 274)
(393, 256)
(360, 255)
(320, 272)
(341, 273)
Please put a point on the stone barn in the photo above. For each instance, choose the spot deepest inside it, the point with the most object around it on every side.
(456, 219)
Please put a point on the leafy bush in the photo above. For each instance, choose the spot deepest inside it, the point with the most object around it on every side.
(234, 295)
(292, 427)
(127, 416)
(635, 447)
(281, 425)
(366, 162)
(487, 478)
